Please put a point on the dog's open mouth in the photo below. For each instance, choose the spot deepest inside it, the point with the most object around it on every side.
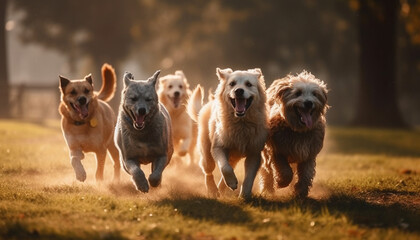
(139, 122)
(305, 116)
(176, 100)
(82, 110)
(241, 105)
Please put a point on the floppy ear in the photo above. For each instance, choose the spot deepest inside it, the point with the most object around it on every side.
(88, 78)
(153, 79)
(223, 74)
(127, 78)
(277, 90)
(63, 83)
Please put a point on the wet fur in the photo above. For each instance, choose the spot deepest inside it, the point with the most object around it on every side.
(184, 129)
(150, 141)
(81, 137)
(291, 140)
(225, 138)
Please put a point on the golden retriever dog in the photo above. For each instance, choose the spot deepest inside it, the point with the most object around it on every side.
(231, 127)
(296, 131)
(174, 92)
(88, 122)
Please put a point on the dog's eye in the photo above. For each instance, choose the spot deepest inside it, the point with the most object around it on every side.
(73, 92)
(180, 86)
(298, 93)
(248, 84)
(134, 99)
(148, 99)
(170, 86)
(233, 83)
(86, 91)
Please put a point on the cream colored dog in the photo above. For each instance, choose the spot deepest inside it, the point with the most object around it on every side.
(231, 126)
(174, 92)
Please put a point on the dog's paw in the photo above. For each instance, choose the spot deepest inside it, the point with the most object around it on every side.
(155, 179)
(141, 183)
(229, 177)
(79, 170)
(301, 190)
(284, 179)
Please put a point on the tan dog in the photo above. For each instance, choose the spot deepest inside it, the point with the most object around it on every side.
(174, 92)
(231, 127)
(297, 126)
(88, 122)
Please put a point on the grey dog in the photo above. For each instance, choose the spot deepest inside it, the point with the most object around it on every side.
(143, 133)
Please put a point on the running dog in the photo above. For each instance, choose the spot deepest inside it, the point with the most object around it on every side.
(88, 122)
(143, 133)
(231, 127)
(174, 92)
(296, 131)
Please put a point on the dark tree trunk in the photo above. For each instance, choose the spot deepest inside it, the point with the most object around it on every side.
(377, 102)
(4, 81)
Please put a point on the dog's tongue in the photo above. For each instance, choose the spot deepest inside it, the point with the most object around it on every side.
(306, 118)
(140, 120)
(240, 104)
(83, 110)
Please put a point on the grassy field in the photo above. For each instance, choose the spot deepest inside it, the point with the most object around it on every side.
(367, 187)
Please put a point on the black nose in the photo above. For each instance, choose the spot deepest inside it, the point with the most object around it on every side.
(176, 94)
(142, 111)
(82, 100)
(239, 92)
(308, 104)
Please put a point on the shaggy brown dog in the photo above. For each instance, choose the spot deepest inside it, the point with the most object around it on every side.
(232, 126)
(174, 92)
(296, 131)
(88, 122)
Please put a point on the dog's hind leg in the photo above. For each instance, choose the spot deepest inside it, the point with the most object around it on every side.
(100, 164)
(76, 157)
(266, 180)
(252, 164)
(113, 151)
(157, 168)
(208, 165)
(306, 173)
(138, 177)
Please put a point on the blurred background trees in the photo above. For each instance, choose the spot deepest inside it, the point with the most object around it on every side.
(338, 41)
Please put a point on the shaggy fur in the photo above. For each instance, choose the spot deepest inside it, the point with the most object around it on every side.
(143, 133)
(297, 126)
(174, 92)
(231, 126)
(88, 122)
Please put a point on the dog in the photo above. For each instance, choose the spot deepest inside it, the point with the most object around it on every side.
(298, 105)
(230, 127)
(173, 93)
(88, 122)
(143, 133)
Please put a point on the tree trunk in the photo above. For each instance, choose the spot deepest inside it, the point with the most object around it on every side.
(4, 81)
(377, 103)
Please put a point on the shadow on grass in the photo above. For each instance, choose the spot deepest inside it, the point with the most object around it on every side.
(18, 230)
(207, 209)
(358, 210)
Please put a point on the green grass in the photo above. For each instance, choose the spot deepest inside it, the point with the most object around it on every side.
(367, 187)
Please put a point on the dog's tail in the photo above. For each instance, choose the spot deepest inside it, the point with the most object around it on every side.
(195, 103)
(109, 83)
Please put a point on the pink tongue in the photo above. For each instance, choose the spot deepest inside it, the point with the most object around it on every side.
(306, 118)
(240, 104)
(83, 110)
(140, 119)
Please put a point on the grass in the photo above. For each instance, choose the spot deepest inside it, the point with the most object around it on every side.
(367, 187)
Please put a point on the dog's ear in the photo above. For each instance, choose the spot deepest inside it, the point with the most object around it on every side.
(127, 78)
(153, 79)
(256, 71)
(277, 90)
(223, 74)
(88, 78)
(180, 73)
(63, 83)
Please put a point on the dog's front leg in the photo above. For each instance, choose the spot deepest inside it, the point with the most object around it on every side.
(306, 173)
(138, 177)
(185, 145)
(157, 168)
(252, 164)
(221, 155)
(76, 157)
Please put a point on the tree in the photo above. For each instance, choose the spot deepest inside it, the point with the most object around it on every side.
(377, 102)
(4, 81)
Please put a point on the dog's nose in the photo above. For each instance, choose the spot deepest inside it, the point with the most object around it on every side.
(239, 92)
(142, 111)
(176, 94)
(308, 104)
(81, 100)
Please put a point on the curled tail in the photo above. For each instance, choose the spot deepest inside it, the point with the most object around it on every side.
(109, 83)
(195, 103)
